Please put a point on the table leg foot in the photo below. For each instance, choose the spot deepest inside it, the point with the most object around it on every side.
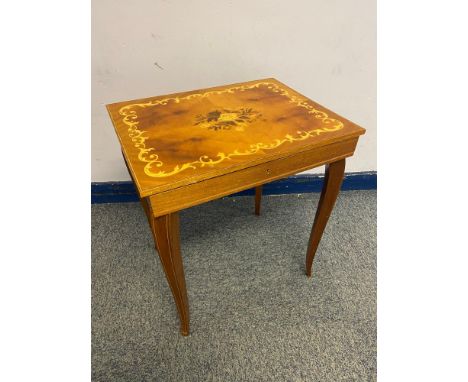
(331, 187)
(258, 199)
(166, 233)
(184, 332)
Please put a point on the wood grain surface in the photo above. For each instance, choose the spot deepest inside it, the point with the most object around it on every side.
(173, 140)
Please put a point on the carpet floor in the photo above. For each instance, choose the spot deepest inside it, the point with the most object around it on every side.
(255, 316)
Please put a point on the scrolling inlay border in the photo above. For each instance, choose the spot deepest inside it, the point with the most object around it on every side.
(152, 160)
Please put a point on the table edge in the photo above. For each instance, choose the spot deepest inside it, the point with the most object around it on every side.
(240, 166)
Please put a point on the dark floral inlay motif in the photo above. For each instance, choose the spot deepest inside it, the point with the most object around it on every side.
(225, 119)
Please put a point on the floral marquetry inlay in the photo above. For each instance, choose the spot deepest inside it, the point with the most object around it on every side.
(238, 116)
(225, 119)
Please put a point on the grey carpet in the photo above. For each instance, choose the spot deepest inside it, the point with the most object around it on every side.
(255, 316)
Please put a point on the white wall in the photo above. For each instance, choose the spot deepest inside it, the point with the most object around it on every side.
(325, 49)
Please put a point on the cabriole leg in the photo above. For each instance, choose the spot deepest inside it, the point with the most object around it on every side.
(331, 187)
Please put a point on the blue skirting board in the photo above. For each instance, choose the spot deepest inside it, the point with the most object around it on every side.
(120, 192)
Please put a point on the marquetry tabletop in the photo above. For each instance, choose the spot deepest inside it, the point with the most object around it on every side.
(181, 138)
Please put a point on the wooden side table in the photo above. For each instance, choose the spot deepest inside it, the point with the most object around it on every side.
(188, 148)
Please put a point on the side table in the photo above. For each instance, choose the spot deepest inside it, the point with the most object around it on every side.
(189, 148)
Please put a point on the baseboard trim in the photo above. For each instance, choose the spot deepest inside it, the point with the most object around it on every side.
(121, 192)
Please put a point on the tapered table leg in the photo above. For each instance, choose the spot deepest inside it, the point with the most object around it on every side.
(258, 199)
(331, 187)
(166, 233)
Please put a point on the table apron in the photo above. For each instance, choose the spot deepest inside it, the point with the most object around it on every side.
(214, 188)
